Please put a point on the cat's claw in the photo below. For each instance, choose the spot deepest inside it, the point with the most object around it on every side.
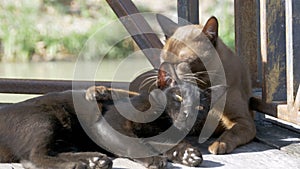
(186, 154)
(99, 163)
(98, 93)
(191, 157)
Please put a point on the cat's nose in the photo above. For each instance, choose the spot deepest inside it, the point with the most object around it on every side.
(167, 75)
(166, 81)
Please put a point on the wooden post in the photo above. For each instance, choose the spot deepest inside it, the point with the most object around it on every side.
(246, 33)
(275, 66)
(188, 10)
(289, 54)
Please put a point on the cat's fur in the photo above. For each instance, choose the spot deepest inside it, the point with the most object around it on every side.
(188, 47)
(44, 132)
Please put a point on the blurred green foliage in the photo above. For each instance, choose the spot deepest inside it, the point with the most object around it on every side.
(33, 30)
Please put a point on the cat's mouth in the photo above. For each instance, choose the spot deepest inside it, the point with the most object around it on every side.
(167, 76)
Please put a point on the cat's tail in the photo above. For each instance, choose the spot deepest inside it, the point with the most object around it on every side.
(257, 104)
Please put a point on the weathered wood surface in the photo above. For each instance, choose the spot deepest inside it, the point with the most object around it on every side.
(296, 38)
(246, 36)
(275, 147)
(254, 155)
(275, 67)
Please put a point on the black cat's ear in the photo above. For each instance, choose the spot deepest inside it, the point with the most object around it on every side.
(167, 25)
(216, 92)
(211, 29)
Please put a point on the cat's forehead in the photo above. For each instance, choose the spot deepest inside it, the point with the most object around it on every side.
(187, 32)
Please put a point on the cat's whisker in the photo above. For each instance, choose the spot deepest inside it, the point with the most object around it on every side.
(147, 82)
(193, 78)
(210, 73)
(201, 73)
(148, 78)
(191, 81)
(152, 85)
(153, 73)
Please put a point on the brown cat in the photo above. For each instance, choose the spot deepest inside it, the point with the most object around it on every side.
(200, 56)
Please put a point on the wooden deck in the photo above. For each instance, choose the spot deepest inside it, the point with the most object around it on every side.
(276, 147)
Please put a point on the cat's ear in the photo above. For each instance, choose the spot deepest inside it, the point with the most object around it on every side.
(211, 29)
(167, 25)
(216, 92)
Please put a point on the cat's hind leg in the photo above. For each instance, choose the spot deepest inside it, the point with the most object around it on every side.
(6, 156)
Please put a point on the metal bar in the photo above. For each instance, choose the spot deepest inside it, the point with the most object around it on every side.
(188, 10)
(289, 54)
(246, 41)
(138, 28)
(32, 86)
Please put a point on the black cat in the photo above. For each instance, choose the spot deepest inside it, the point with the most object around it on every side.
(45, 132)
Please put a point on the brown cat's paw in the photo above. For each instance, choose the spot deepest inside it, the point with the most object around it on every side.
(220, 147)
(98, 93)
(185, 154)
(99, 163)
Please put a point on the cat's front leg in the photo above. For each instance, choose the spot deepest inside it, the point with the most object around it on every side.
(239, 124)
(102, 93)
(186, 154)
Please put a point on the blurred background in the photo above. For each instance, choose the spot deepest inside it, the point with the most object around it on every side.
(42, 39)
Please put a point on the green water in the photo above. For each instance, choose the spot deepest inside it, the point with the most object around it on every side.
(106, 70)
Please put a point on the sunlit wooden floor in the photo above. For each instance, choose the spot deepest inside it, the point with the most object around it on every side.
(275, 147)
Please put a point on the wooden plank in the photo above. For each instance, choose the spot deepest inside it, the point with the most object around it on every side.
(246, 35)
(138, 28)
(33, 86)
(188, 10)
(263, 42)
(276, 136)
(296, 44)
(253, 155)
(289, 54)
(275, 66)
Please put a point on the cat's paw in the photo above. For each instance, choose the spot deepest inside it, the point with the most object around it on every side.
(99, 163)
(220, 147)
(98, 93)
(153, 162)
(185, 154)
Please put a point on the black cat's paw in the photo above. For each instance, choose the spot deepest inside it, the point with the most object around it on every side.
(153, 162)
(98, 93)
(99, 163)
(185, 154)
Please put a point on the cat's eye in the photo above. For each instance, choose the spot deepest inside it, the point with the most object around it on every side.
(178, 98)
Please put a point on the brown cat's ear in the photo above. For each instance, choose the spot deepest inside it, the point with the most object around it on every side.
(211, 29)
(167, 25)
